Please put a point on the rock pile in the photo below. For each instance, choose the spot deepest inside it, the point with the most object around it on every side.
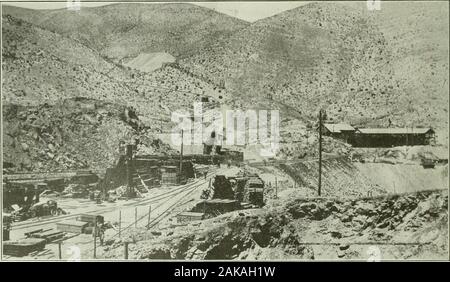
(72, 134)
(291, 230)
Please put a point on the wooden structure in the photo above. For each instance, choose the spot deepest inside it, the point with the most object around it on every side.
(390, 137)
(23, 247)
(338, 130)
(189, 216)
(169, 175)
(91, 218)
(72, 226)
(49, 235)
(232, 156)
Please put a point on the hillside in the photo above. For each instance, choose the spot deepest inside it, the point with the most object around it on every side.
(40, 66)
(364, 67)
(71, 134)
(305, 229)
(150, 62)
(120, 31)
(43, 70)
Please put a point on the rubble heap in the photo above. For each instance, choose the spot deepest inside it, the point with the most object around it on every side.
(311, 228)
(72, 134)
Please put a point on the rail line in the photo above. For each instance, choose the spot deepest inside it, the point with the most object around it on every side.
(157, 198)
(162, 215)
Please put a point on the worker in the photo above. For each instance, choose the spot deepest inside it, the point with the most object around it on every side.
(229, 163)
(102, 233)
(99, 232)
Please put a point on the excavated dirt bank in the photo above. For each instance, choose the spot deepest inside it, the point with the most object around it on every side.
(343, 178)
(406, 226)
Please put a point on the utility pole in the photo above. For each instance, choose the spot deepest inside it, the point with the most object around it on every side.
(59, 250)
(135, 217)
(129, 157)
(148, 220)
(120, 222)
(320, 152)
(95, 237)
(125, 249)
(276, 188)
(181, 153)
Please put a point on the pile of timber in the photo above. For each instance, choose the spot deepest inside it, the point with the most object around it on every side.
(49, 235)
(72, 226)
(23, 247)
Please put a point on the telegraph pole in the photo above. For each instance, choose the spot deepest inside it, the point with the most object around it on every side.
(95, 237)
(276, 187)
(148, 220)
(181, 153)
(129, 157)
(320, 152)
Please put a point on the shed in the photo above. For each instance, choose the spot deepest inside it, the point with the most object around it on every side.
(169, 175)
(390, 137)
(338, 130)
(338, 127)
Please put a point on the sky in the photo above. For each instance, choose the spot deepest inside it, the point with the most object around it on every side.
(248, 11)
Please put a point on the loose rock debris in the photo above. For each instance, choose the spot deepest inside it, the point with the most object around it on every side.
(408, 226)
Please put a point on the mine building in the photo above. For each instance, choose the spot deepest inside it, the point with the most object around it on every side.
(391, 137)
(170, 175)
(338, 130)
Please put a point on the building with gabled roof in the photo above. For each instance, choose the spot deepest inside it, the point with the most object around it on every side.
(390, 137)
(338, 127)
(338, 130)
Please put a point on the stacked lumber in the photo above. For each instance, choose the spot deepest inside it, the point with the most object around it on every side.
(71, 226)
(23, 247)
(49, 235)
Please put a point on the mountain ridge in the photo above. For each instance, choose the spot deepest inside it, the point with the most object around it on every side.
(120, 30)
(362, 55)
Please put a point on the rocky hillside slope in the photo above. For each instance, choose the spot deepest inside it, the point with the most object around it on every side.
(307, 229)
(343, 178)
(71, 134)
(42, 66)
(42, 69)
(364, 67)
(121, 31)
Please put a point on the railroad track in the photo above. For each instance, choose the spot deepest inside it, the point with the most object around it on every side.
(162, 215)
(165, 213)
(189, 188)
(24, 225)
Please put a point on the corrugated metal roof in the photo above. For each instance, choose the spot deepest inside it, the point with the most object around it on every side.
(393, 130)
(338, 127)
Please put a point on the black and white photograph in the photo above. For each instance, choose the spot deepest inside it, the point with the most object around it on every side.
(225, 131)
